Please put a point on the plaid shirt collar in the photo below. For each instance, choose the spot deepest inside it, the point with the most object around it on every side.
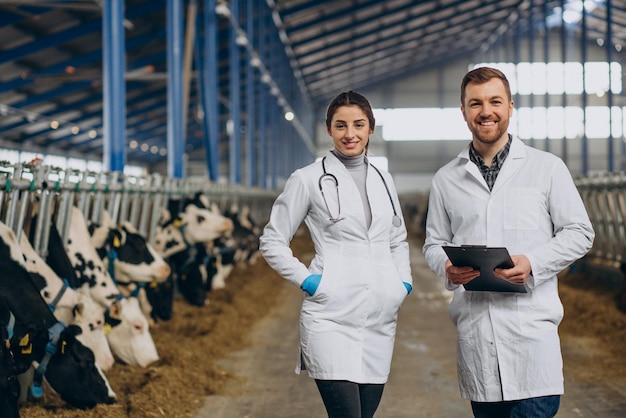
(490, 173)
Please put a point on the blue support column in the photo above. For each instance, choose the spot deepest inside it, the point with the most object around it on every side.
(208, 73)
(235, 99)
(175, 133)
(273, 148)
(114, 87)
(250, 113)
(261, 42)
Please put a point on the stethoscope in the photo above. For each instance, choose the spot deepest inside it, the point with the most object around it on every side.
(396, 221)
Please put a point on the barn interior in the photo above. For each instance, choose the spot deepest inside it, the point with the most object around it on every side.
(121, 105)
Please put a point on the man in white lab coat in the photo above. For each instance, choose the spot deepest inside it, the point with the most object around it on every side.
(498, 192)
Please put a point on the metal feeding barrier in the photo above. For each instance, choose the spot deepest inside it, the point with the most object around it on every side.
(33, 195)
(604, 195)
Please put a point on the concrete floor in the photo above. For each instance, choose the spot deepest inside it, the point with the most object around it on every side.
(422, 383)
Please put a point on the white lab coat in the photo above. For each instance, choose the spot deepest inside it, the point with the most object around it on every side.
(347, 328)
(508, 346)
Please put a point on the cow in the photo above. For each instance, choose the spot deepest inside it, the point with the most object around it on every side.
(129, 258)
(239, 247)
(9, 386)
(67, 365)
(129, 335)
(245, 235)
(70, 306)
(180, 238)
(87, 264)
(220, 263)
(129, 327)
(134, 259)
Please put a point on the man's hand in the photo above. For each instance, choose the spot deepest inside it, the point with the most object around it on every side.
(519, 273)
(460, 275)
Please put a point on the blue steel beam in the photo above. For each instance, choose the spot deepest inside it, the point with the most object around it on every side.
(209, 87)
(235, 98)
(251, 178)
(261, 46)
(114, 86)
(175, 131)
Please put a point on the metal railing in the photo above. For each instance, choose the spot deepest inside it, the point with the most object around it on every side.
(32, 196)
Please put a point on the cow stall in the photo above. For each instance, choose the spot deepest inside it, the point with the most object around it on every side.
(37, 200)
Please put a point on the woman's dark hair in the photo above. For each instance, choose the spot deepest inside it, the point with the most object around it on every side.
(350, 98)
(481, 75)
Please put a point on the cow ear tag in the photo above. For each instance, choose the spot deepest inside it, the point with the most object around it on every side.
(107, 328)
(177, 223)
(27, 347)
(154, 284)
(63, 347)
(116, 242)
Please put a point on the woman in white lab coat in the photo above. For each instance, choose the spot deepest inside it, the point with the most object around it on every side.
(360, 274)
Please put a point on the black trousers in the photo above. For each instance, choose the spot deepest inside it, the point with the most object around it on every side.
(344, 399)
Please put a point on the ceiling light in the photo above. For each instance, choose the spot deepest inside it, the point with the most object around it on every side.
(241, 39)
(222, 10)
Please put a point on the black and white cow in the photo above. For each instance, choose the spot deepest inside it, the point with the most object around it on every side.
(129, 337)
(181, 238)
(9, 386)
(87, 264)
(239, 247)
(70, 306)
(134, 259)
(67, 365)
(130, 259)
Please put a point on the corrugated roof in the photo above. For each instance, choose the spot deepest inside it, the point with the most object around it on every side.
(51, 58)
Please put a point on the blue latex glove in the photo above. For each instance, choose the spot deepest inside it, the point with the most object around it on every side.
(311, 283)
(408, 286)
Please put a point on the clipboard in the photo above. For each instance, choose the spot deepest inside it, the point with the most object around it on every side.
(485, 259)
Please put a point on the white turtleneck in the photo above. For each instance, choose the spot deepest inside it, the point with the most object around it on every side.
(357, 167)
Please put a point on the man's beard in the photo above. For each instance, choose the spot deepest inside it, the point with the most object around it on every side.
(494, 136)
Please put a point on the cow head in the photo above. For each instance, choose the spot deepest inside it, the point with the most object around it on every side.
(201, 225)
(134, 259)
(74, 375)
(129, 335)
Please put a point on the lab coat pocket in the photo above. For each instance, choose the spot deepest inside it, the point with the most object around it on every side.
(320, 294)
(522, 208)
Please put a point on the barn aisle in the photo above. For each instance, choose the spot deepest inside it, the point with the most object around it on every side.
(423, 365)
(423, 379)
